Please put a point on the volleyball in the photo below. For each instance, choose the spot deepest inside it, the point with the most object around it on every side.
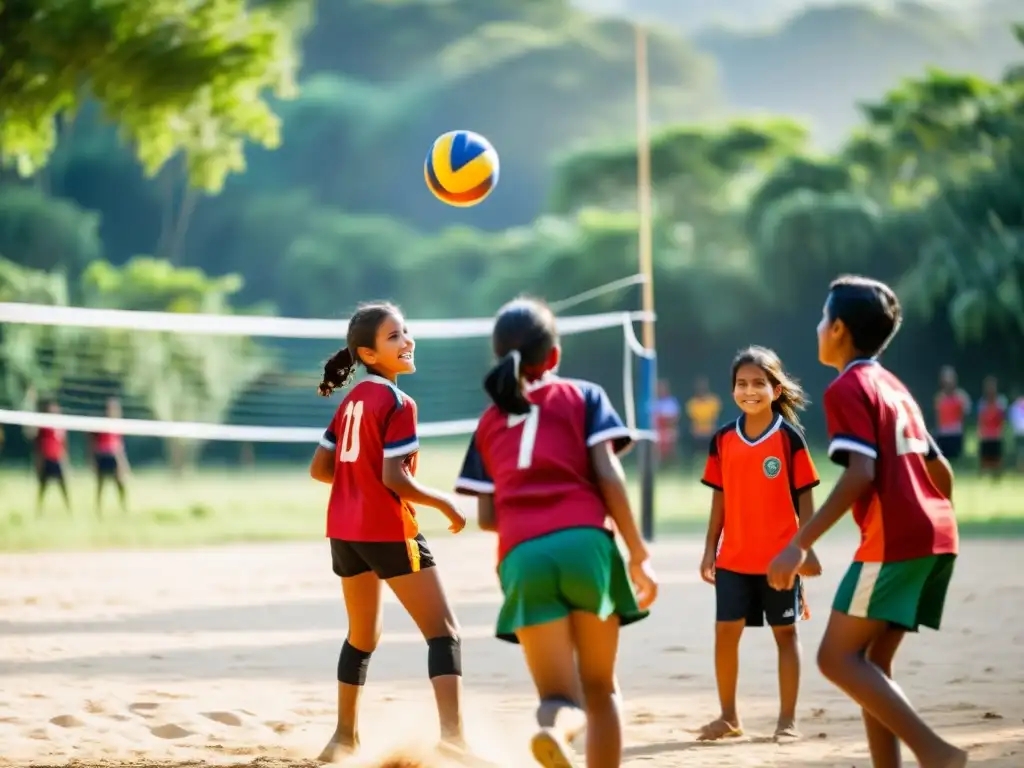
(461, 168)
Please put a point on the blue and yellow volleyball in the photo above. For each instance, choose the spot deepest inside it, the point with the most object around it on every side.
(461, 168)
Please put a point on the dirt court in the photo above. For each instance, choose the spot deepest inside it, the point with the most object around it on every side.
(228, 655)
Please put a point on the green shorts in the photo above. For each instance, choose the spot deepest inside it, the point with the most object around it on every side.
(578, 569)
(908, 593)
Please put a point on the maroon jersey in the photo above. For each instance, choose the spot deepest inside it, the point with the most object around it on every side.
(375, 421)
(537, 465)
(107, 443)
(52, 443)
(903, 516)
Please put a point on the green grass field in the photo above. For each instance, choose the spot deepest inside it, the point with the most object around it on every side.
(220, 506)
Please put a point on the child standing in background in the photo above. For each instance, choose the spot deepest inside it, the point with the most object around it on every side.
(1016, 416)
(762, 474)
(991, 423)
(952, 405)
(110, 460)
(51, 460)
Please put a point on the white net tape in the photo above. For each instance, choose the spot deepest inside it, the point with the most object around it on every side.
(253, 379)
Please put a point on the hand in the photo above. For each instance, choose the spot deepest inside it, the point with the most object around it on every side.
(456, 520)
(811, 566)
(641, 573)
(707, 567)
(782, 570)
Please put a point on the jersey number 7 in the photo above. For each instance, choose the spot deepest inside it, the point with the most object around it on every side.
(911, 434)
(527, 441)
(351, 420)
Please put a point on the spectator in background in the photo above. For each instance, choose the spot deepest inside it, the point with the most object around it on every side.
(666, 423)
(109, 459)
(952, 405)
(52, 460)
(991, 422)
(703, 410)
(1017, 425)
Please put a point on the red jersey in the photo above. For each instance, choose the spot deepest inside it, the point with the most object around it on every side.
(903, 515)
(375, 421)
(538, 466)
(106, 443)
(991, 418)
(52, 443)
(950, 410)
(760, 479)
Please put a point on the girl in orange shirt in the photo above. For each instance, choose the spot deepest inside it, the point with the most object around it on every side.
(762, 474)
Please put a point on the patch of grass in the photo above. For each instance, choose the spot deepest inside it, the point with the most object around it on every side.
(281, 503)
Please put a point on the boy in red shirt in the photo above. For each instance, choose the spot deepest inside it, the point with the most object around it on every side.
(899, 487)
(109, 459)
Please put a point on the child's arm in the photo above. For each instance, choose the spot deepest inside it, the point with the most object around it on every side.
(321, 468)
(611, 481)
(852, 484)
(486, 517)
(716, 522)
(941, 473)
(805, 511)
(398, 479)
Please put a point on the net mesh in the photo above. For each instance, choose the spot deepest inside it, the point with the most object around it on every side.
(254, 379)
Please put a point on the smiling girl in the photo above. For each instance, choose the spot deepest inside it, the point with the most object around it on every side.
(762, 474)
(368, 456)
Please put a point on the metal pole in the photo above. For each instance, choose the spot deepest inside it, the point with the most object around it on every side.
(648, 364)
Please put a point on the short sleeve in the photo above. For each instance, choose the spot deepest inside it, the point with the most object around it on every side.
(329, 439)
(803, 473)
(400, 437)
(851, 426)
(603, 422)
(712, 476)
(474, 478)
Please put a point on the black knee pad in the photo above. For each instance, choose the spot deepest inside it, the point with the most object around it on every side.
(352, 665)
(444, 656)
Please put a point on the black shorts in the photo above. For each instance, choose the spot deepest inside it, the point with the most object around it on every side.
(51, 470)
(950, 446)
(387, 559)
(106, 465)
(990, 451)
(749, 596)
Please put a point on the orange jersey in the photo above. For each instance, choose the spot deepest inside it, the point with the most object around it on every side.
(950, 410)
(760, 479)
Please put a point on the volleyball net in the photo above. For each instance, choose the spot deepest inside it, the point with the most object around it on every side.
(253, 379)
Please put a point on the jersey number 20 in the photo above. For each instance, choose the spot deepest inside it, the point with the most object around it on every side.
(910, 430)
(351, 419)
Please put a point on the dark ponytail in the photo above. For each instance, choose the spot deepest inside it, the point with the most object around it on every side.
(504, 384)
(337, 371)
(524, 336)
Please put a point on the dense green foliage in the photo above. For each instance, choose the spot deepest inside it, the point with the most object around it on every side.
(922, 184)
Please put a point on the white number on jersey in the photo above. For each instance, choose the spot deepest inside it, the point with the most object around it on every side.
(348, 448)
(527, 441)
(910, 429)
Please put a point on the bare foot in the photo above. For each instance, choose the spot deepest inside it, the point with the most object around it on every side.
(957, 759)
(551, 750)
(786, 731)
(336, 751)
(720, 729)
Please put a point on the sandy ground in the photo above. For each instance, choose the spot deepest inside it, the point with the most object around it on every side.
(228, 655)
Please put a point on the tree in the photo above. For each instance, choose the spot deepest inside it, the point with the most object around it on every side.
(47, 234)
(178, 77)
(176, 376)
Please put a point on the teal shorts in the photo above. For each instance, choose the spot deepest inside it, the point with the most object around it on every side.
(547, 578)
(909, 593)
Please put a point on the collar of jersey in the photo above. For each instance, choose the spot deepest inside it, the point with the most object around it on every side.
(373, 377)
(772, 429)
(543, 381)
(859, 361)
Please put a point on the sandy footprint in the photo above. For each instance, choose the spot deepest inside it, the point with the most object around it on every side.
(170, 731)
(67, 721)
(146, 709)
(224, 718)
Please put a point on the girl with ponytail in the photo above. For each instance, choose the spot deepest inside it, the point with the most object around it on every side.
(368, 457)
(543, 464)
